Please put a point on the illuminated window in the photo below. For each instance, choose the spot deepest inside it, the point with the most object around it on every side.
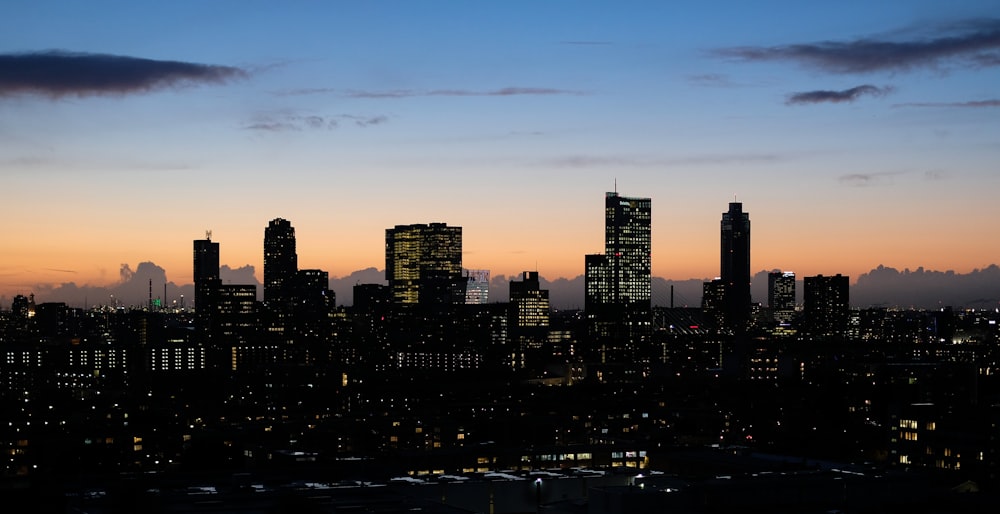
(931, 425)
(904, 459)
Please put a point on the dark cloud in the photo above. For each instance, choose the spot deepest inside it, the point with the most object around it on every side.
(506, 91)
(57, 74)
(847, 95)
(969, 44)
(972, 104)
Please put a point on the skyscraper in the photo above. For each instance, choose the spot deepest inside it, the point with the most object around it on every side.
(617, 283)
(281, 263)
(781, 296)
(206, 282)
(735, 266)
(423, 264)
(621, 276)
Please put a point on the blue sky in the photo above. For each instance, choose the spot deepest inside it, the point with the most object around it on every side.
(855, 133)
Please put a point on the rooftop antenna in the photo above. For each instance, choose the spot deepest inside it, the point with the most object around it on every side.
(208, 235)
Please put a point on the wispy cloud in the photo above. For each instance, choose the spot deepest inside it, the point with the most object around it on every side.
(506, 91)
(587, 43)
(846, 95)
(974, 43)
(868, 179)
(970, 104)
(711, 80)
(283, 122)
(57, 73)
(587, 161)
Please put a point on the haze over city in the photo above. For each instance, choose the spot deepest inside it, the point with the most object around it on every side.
(855, 135)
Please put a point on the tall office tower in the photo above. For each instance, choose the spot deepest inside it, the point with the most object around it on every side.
(781, 296)
(617, 283)
(827, 305)
(206, 282)
(735, 266)
(281, 263)
(477, 288)
(620, 278)
(423, 264)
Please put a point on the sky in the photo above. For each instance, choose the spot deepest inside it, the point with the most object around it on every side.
(855, 134)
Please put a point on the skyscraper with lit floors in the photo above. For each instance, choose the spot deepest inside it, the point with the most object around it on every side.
(617, 282)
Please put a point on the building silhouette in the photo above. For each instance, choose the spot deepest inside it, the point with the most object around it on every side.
(280, 260)
(206, 282)
(735, 266)
(827, 305)
(618, 282)
(423, 265)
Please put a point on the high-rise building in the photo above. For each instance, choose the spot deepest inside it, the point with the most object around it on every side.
(735, 266)
(206, 282)
(617, 283)
(781, 296)
(621, 277)
(827, 305)
(423, 264)
(281, 263)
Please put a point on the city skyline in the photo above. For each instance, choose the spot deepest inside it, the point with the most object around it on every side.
(510, 121)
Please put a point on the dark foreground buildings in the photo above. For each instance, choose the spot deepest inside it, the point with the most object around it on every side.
(415, 398)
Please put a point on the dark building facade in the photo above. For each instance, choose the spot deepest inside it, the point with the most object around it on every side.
(735, 266)
(206, 282)
(280, 260)
(827, 305)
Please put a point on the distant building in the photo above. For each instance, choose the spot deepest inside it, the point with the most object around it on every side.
(781, 296)
(713, 304)
(477, 286)
(735, 266)
(529, 303)
(827, 305)
(280, 260)
(423, 264)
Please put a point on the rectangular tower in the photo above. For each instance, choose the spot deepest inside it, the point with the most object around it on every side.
(618, 283)
(827, 305)
(423, 264)
(206, 282)
(281, 262)
(781, 296)
(735, 266)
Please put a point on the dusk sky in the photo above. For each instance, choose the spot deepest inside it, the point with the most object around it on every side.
(854, 133)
